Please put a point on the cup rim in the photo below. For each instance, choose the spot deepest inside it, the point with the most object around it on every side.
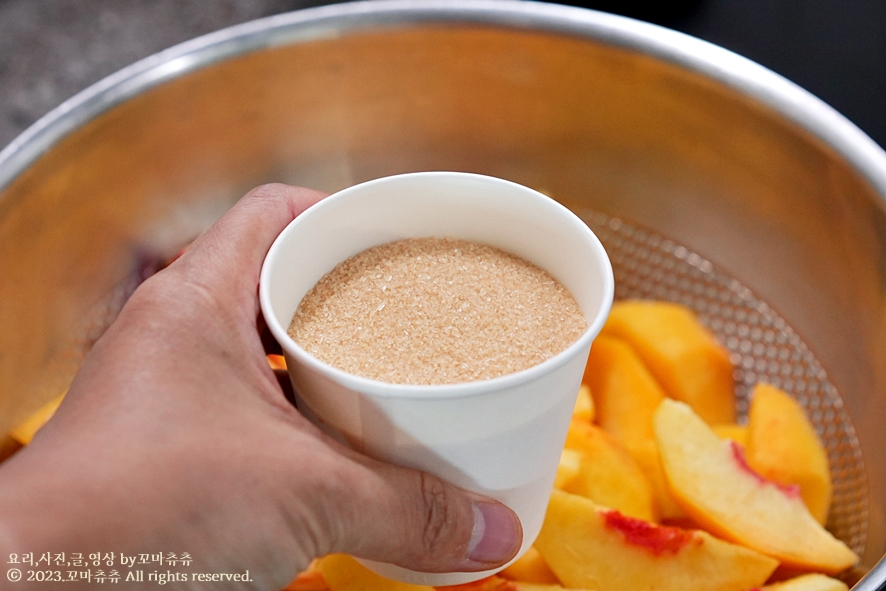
(439, 391)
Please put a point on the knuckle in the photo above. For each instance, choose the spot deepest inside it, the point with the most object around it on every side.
(268, 191)
(260, 197)
(438, 524)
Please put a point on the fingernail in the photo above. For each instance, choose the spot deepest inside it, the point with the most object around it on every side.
(497, 534)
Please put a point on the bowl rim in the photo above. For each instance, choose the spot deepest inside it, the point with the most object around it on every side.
(747, 77)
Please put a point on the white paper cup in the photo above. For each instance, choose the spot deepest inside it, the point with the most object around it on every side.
(500, 437)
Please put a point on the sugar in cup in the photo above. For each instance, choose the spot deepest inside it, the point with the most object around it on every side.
(499, 437)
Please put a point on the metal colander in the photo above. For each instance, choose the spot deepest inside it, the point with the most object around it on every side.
(762, 346)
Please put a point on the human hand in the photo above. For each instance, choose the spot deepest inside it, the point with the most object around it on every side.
(177, 437)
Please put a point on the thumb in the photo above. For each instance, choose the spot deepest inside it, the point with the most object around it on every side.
(418, 521)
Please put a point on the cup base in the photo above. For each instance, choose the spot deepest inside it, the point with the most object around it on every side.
(405, 575)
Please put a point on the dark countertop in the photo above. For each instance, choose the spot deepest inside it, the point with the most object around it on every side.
(51, 49)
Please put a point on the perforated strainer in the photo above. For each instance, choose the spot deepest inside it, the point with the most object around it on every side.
(761, 344)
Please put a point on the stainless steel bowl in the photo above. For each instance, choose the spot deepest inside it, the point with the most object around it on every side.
(606, 114)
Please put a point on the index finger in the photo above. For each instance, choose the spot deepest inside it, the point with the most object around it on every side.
(227, 258)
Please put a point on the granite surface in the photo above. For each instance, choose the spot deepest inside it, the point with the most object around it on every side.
(51, 49)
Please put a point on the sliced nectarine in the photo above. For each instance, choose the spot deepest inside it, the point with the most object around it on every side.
(810, 582)
(530, 568)
(24, 432)
(712, 481)
(491, 583)
(783, 446)
(645, 454)
(309, 580)
(680, 352)
(568, 469)
(276, 361)
(736, 433)
(343, 573)
(584, 405)
(590, 547)
(625, 393)
(607, 473)
(625, 398)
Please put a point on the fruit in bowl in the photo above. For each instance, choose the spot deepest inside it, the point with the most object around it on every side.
(657, 490)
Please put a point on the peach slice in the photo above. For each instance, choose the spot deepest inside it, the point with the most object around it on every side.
(569, 468)
(810, 582)
(645, 454)
(784, 447)
(607, 474)
(584, 405)
(531, 568)
(712, 481)
(590, 547)
(491, 583)
(497, 583)
(309, 580)
(625, 398)
(343, 573)
(680, 352)
(24, 432)
(737, 433)
(276, 361)
(625, 393)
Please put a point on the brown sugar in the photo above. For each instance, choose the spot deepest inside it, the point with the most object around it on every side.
(436, 311)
